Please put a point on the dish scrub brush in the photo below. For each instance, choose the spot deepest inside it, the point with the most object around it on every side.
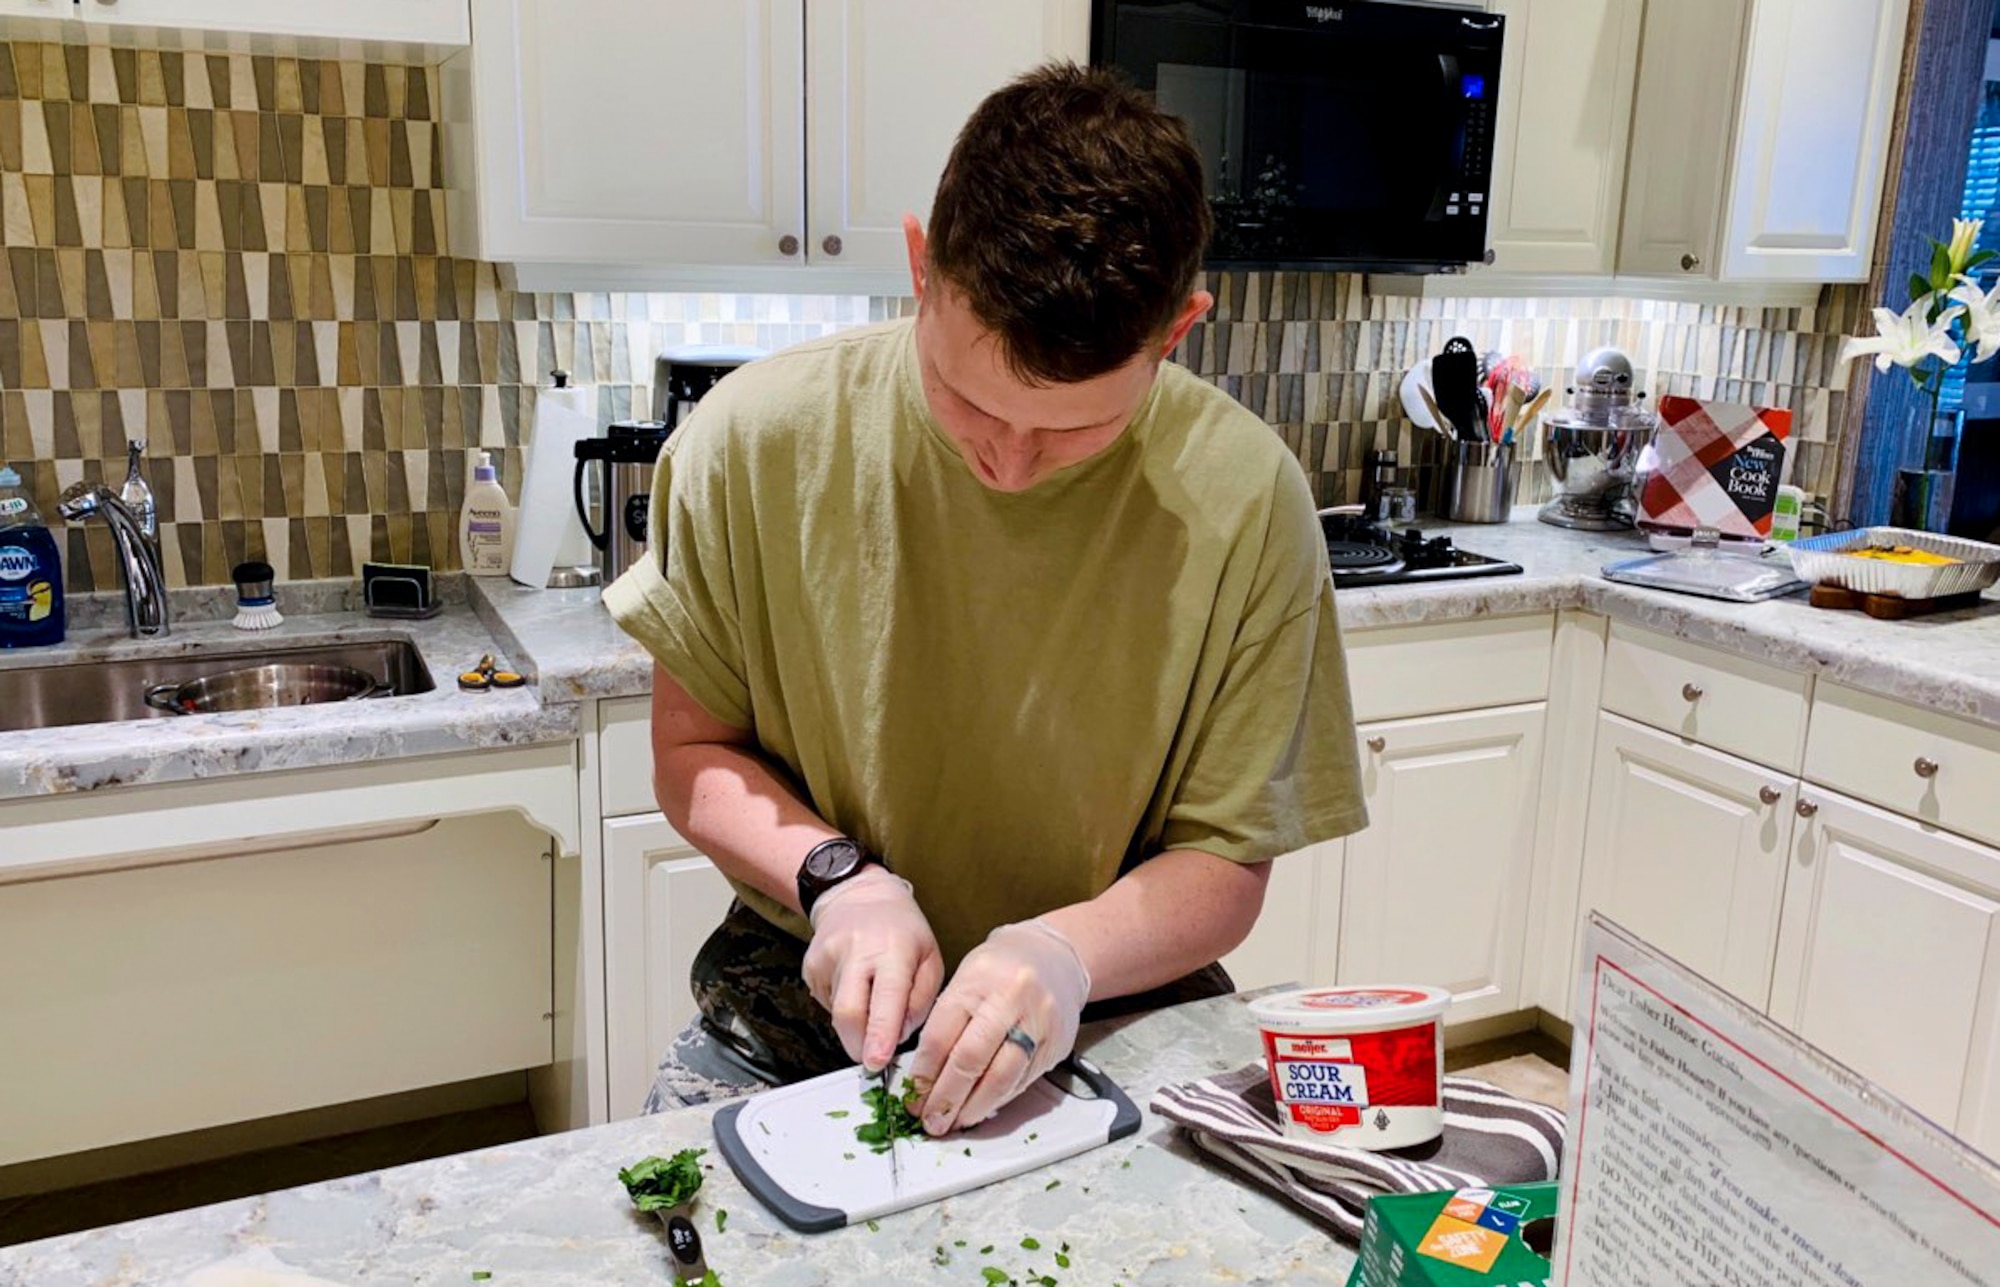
(256, 607)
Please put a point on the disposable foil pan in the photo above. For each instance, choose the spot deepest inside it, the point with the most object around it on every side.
(1830, 559)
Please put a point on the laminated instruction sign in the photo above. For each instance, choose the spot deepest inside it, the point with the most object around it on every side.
(1707, 1145)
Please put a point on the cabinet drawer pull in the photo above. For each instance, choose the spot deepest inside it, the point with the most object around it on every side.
(1378, 744)
(1689, 263)
(1805, 808)
(1769, 794)
(788, 245)
(831, 245)
(1691, 692)
(1926, 767)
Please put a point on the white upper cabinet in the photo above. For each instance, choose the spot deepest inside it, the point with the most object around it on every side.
(631, 131)
(1681, 117)
(1565, 109)
(1812, 139)
(734, 143)
(428, 22)
(891, 83)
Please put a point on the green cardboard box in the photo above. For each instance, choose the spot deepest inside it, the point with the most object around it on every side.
(1458, 1238)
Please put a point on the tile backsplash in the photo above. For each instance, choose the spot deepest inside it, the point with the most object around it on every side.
(241, 259)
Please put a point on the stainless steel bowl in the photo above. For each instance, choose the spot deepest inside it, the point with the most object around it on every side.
(265, 687)
(1592, 461)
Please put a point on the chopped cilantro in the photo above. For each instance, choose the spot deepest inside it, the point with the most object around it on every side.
(721, 1219)
(891, 1118)
(874, 1226)
(481, 1275)
(993, 1275)
(958, 1242)
(839, 1112)
(1062, 1260)
(986, 1250)
(1030, 1244)
(940, 1257)
(660, 1184)
(1050, 1185)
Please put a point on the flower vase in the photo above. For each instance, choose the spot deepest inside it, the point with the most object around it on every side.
(1922, 499)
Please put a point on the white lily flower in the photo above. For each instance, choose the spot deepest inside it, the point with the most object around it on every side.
(1964, 236)
(1907, 339)
(1982, 317)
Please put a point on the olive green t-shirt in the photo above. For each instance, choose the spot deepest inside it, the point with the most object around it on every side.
(1011, 697)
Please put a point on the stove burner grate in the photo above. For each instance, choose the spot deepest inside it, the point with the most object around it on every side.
(1353, 557)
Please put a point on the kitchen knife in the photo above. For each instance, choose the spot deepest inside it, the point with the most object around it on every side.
(895, 1158)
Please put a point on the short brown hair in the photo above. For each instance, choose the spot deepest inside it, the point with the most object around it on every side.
(1071, 221)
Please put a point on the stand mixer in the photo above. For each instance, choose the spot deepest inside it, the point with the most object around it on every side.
(1593, 446)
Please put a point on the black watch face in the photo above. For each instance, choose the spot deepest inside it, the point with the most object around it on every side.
(833, 860)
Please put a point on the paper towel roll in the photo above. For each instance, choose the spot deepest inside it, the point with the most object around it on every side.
(547, 532)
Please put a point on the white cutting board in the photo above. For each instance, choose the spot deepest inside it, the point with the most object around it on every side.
(808, 1168)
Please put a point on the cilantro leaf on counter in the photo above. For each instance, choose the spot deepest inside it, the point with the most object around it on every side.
(660, 1184)
(721, 1219)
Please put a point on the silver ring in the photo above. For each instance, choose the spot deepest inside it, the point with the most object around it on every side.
(1023, 1040)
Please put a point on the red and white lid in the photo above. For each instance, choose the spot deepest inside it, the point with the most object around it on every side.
(1373, 1008)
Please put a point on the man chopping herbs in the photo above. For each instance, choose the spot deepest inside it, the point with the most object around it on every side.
(997, 655)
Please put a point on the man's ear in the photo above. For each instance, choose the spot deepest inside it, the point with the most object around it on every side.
(913, 239)
(1193, 311)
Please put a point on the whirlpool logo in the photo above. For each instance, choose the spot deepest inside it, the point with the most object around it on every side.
(1325, 13)
(16, 564)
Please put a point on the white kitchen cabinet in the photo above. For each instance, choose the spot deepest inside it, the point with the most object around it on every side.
(1817, 102)
(242, 982)
(1682, 113)
(424, 22)
(662, 900)
(1889, 958)
(1685, 848)
(1299, 925)
(1565, 110)
(1436, 888)
(37, 9)
(769, 135)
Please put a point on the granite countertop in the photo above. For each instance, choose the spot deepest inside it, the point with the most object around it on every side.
(1949, 662)
(86, 757)
(572, 652)
(551, 1211)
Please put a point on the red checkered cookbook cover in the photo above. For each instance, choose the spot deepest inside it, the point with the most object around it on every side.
(1714, 464)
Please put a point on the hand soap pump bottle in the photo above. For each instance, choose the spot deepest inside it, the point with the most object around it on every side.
(31, 588)
(486, 525)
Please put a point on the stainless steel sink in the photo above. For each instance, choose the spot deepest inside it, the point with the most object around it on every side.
(93, 692)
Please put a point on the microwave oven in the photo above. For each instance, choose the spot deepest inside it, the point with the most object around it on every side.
(1350, 134)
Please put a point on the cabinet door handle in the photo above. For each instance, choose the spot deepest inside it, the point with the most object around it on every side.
(1378, 744)
(1769, 794)
(831, 245)
(1805, 808)
(1691, 692)
(1926, 767)
(788, 245)
(1689, 263)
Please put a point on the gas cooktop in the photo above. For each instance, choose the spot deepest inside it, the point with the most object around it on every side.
(1365, 553)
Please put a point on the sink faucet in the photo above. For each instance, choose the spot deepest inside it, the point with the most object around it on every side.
(139, 556)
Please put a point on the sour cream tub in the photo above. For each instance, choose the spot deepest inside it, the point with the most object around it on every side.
(1357, 1066)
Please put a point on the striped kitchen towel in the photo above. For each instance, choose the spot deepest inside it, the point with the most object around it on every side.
(1490, 1138)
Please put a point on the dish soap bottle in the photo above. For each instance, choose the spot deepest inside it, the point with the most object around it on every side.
(486, 524)
(31, 593)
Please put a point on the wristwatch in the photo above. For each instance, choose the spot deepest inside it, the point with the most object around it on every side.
(829, 863)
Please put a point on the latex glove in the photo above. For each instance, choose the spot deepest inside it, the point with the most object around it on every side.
(873, 964)
(1025, 976)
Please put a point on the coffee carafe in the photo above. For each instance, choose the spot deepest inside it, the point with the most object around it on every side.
(630, 449)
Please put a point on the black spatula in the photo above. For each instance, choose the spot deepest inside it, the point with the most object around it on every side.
(1455, 383)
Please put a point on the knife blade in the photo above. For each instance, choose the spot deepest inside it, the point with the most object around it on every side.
(895, 1158)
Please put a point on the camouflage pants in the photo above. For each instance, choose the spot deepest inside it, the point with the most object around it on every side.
(760, 1027)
